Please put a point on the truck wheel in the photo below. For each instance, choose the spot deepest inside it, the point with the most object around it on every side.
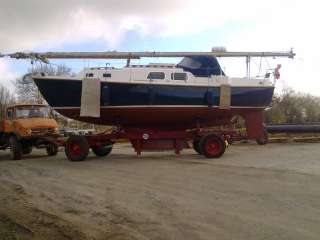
(102, 151)
(76, 148)
(27, 150)
(52, 149)
(15, 148)
(196, 146)
(212, 146)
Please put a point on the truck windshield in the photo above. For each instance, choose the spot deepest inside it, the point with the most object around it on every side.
(32, 112)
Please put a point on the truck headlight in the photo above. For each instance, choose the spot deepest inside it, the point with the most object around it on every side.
(29, 131)
(56, 130)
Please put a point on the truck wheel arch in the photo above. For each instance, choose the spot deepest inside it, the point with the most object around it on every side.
(12, 134)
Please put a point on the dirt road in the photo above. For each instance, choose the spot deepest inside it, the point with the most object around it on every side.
(253, 192)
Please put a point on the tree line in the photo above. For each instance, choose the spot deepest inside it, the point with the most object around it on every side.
(6, 98)
(293, 107)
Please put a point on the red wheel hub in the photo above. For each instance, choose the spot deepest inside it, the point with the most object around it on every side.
(213, 146)
(75, 149)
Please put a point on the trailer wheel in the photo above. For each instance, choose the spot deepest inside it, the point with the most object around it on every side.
(264, 140)
(15, 148)
(196, 146)
(52, 149)
(77, 148)
(212, 146)
(102, 151)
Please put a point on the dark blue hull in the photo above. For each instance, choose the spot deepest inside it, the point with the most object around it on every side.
(67, 93)
(155, 106)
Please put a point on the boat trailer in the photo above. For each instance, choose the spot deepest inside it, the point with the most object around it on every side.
(207, 143)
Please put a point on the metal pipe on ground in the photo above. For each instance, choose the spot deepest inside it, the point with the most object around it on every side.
(293, 128)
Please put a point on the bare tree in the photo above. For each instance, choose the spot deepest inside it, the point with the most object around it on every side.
(26, 89)
(6, 98)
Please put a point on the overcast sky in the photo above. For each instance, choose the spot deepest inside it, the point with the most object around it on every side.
(167, 25)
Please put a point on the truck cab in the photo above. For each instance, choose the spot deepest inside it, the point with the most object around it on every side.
(26, 126)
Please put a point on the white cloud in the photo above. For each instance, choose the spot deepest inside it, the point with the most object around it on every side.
(293, 24)
(7, 74)
(34, 23)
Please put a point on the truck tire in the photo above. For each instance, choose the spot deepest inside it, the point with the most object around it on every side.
(27, 150)
(76, 148)
(52, 149)
(15, 148)
(102, 151)
(212, 146)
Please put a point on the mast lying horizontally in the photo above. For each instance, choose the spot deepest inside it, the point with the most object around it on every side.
(136, 55)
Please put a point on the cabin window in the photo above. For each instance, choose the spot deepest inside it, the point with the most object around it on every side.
(107, 75)
(179, 76)
(156, 75)
(89, 74)
(10, 114)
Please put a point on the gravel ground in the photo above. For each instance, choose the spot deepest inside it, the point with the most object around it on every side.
(252, 192)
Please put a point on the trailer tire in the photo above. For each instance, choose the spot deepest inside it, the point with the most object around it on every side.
(76, 148)
(102, 151)
(15, 148)
(196, 146)
(52, 149)
(212, 146)
(264, 140)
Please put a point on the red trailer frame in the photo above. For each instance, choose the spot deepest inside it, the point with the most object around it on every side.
(209, 143)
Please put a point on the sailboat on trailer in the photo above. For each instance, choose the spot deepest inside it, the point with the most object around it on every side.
(157, 106)
(192, 94)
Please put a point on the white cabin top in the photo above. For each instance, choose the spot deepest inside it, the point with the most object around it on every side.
(165, 74)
